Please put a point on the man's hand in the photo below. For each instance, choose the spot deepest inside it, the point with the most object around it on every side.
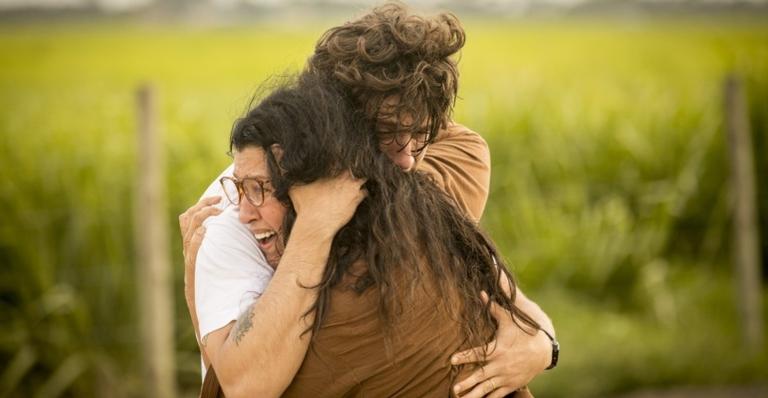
(192, 220)
(513, 359)
(329, 203)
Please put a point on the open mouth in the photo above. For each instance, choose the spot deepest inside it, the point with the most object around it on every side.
(265, 238)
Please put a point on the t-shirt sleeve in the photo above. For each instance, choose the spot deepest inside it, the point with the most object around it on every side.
(460, 163)
(230, 272)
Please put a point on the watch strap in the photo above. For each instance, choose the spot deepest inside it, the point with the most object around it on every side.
(555, 349)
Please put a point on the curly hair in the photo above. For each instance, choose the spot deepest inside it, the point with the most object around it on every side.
(318, 131)
(391, 52)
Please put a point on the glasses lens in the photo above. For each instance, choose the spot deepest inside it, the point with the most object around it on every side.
(403, 138)
(254, 191)
(419, 141)
(230, 190)
(386, 138)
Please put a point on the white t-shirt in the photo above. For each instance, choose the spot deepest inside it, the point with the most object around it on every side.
(230, 271)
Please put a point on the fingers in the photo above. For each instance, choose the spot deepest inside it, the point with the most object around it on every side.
(208, 201)
(471, 355)
(190, 254)
(211, 200)
(349, 175)
(197, 218)
(328, 202)
(357, 183)
(477, 377)
(347, 179)
(475, 354)
(500, 392)
(502, 373)
(479, 383)
(184, 218)
(193, 218)
(484, 388)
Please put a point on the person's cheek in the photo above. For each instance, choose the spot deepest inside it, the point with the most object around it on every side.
(420, 156)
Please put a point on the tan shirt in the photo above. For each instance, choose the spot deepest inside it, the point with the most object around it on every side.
(460, 163)
(350, 357)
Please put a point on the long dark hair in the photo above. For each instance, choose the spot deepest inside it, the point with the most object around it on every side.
(407, 229)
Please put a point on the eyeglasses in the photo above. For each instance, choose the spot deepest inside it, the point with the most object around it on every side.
(250, 187)
(419, 138)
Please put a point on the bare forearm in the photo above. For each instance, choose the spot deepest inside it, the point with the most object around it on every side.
(534, 311)
(190, 297)
(540, 345)
(265, 347)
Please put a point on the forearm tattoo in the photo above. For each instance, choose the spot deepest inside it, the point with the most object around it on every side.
(243, 325)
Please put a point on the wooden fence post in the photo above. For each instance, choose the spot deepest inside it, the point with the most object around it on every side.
(746, 249)
(154, 285)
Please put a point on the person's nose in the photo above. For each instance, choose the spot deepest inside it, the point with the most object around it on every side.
(248, 212)
(404, 157)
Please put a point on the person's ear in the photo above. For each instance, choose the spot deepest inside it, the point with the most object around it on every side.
(277, 152)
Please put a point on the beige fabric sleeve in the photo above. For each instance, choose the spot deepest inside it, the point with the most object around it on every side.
(460, 163)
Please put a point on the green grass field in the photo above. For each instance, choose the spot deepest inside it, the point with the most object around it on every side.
(609, 192)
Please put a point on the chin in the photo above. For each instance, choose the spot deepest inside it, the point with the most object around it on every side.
(273, 260)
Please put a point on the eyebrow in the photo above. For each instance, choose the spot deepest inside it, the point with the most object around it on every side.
(393, 127)
(256, 176)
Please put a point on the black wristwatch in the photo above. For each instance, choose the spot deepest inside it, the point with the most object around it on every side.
(555, 349)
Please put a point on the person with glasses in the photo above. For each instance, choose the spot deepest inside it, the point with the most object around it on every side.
(406, 91)
(391, 299)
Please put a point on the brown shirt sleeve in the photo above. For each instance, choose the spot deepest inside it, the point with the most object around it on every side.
(460, 163)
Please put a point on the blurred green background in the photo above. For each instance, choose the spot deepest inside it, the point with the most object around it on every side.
(609, 191)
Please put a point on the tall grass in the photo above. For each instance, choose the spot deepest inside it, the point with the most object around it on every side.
(608, 192)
